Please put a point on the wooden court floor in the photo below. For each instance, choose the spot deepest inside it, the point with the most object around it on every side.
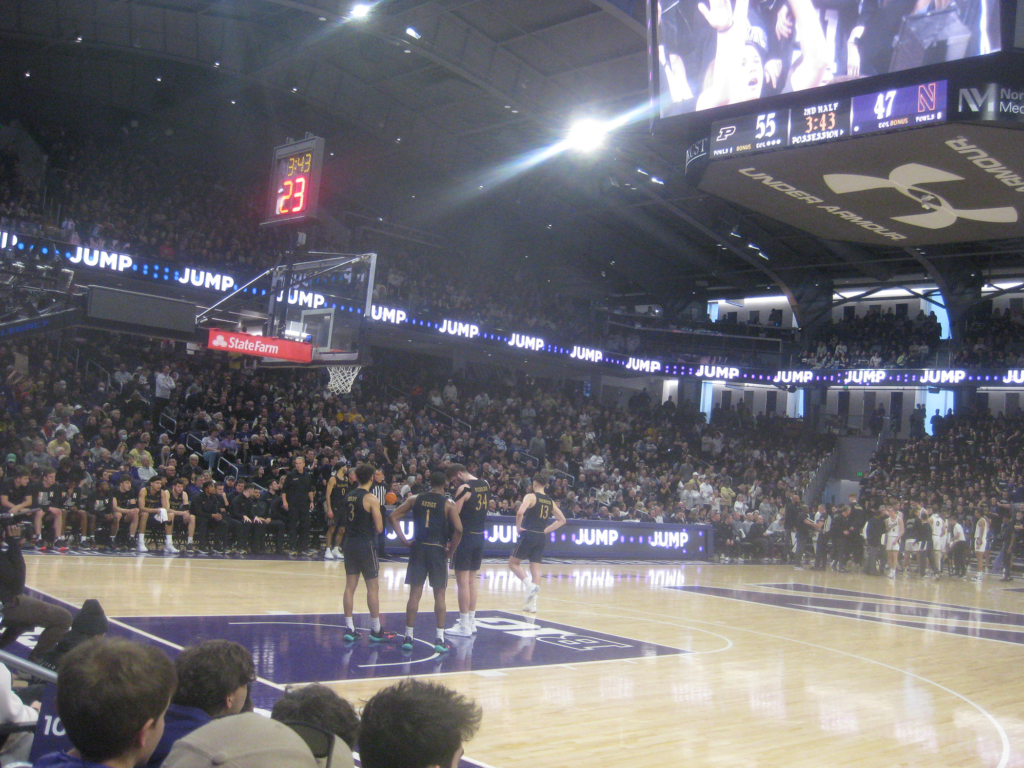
(642, 664)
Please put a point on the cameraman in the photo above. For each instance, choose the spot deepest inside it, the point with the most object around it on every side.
(22, 613)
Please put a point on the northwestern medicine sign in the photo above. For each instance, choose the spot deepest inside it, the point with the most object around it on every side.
(260, 346)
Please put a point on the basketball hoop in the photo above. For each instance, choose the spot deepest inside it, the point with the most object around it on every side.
(342, 377)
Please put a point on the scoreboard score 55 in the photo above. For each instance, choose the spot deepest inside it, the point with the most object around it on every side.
(294, 195)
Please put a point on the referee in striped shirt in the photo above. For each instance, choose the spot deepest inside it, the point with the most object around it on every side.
(379, 489)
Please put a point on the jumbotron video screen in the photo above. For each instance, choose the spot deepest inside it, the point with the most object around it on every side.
(713, 53)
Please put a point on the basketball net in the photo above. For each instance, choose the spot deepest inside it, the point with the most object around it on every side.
(342, 377)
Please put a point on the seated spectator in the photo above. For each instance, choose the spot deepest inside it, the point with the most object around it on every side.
(244, 741)
(89, 622)
(111, 698)
(14, 711)
(319, 706)
(213, 681)
(414, 724)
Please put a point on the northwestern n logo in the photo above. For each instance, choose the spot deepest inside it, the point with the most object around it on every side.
(906, 179)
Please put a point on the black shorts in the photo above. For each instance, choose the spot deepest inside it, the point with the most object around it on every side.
(470, 552)
(530, 547)
(361, 557)
(427, 560)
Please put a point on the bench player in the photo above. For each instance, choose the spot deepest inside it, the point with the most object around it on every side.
(429, 552)
(471, 500)
(537, 516)
(363, 522)
(176, 502)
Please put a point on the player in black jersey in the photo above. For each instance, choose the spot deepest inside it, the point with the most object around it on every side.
(338, 485)
(175, 502)
(362, 524)
(428, 553)
(150, 500)
(47, 504)
(538, 515)
(471, 499)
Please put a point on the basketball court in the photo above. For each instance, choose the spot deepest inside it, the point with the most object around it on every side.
(625, 662)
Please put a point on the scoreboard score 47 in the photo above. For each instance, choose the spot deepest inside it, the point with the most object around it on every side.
(294, 195)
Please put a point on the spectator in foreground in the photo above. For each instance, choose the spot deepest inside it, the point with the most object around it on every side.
(14, 711)
(327, 722)
(213, 681)
(416, 725)
(21, 612)
(112, 695)
(244, 741)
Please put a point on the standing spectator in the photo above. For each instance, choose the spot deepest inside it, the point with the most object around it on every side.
(164, 385)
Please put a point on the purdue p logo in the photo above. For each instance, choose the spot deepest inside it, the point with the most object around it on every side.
(906, 179)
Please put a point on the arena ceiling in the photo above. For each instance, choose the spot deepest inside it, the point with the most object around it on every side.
(439, 128)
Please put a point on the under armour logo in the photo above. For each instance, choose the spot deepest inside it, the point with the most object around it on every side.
(219, 341)
(906, 180)
(725, 133)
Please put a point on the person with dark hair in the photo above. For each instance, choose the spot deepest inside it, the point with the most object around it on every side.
(338, 485)
(297, 493)
(175, 502)
(112, 695)
(534, 521)
(362, 524)
(471, 500)
(433, 514)
(89, 622)
(213, 681)
(320, 706)
(414, 724)
(21, 612)
(209, 510)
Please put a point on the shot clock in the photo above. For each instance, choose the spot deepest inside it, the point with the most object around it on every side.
(295, 182)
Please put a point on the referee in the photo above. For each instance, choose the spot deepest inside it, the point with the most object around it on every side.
(380, 490)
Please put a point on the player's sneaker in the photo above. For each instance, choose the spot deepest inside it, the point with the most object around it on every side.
(170, 549)
(337, 554)
(382, 636)
(531, 605)
(328, 554)
(351, 635)
(407, 643)
(142, 547)
(460, 630)
(532, 590)
(441, 646)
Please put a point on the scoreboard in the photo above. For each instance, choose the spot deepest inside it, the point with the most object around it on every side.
(819, 121)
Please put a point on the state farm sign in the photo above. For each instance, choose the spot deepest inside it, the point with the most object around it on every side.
(260, 346)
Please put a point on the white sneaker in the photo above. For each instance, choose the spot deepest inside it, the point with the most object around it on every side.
(531, 605)
(142, 547)
(459, 630)
(338, 554)
(532, 590)
(472, 626)
(170, 549)
(328, 554)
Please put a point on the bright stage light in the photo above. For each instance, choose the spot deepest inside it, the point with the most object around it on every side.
(360, 11)
(586, 135)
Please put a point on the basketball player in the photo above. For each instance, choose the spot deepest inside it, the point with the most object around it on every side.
(361, 528)
(894, 531)
(126, 504)
(981, 543)
(938, 525)
(338, 485)
(428, 553)
(471, 500)
(149, 504)
(533, 522)
(175, 501)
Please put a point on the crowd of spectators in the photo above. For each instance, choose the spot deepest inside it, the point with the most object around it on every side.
(646, 462)
(125, 703)
(996, 341)
(875, 340)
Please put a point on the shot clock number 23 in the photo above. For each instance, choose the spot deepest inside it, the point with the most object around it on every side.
(295, 181)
